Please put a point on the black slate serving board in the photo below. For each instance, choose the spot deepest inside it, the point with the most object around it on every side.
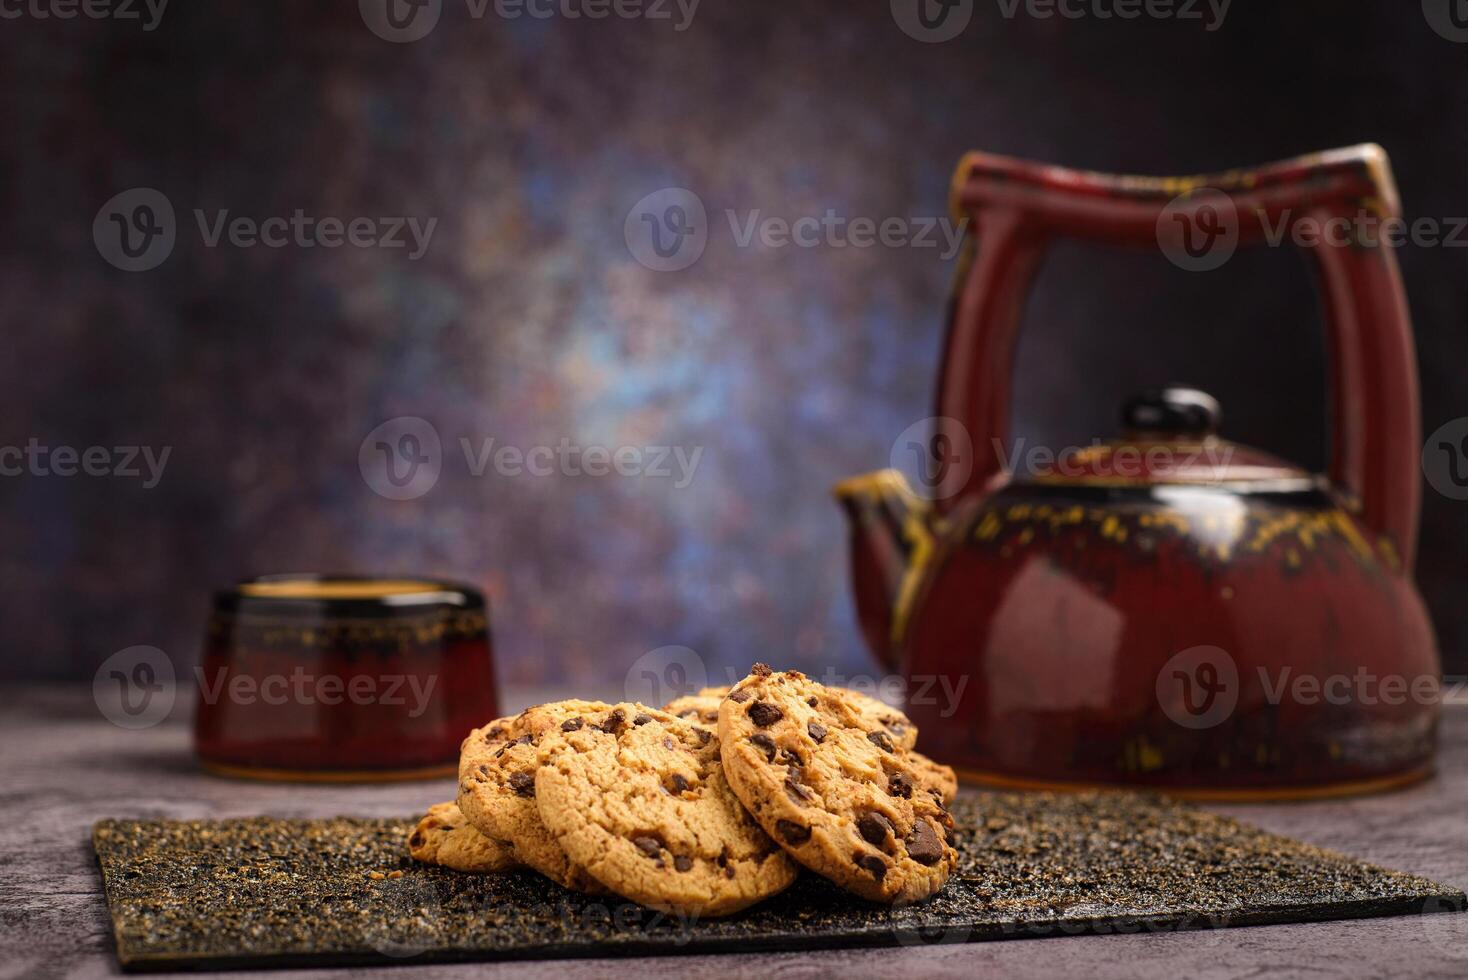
(269, 893)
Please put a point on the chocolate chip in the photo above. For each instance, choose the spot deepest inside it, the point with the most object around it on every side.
(739, 697)
(817, 731)
(924, 845)
(880, 740)
(791, 758)
(812, 701)
(614, 722)
(792, 832)
(678, 783)
(766, 744)
(668, 743)
(797, 790)
(729, 871)
(764, 714)
(416, 840)
(899, 784)
(683, 863)
(572, 724)
(522, 740)
(649, 846)
(494, 733)
(523, 783)
(872, 863)
(761, 670)
(703, 735)
(874, 828)
(641, 720)
(690, 713)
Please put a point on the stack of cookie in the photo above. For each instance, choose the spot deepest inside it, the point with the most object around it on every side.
(698, 808)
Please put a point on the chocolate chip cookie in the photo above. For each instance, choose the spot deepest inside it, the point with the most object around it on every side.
(445, 838)
(497, 767)
(639, 798)
(834, 789)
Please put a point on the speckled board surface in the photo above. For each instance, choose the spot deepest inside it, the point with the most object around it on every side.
(264, 892)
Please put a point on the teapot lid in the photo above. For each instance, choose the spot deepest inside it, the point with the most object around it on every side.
(1170, 436)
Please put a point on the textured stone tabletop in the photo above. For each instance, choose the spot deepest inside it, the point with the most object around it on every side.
(64, 767)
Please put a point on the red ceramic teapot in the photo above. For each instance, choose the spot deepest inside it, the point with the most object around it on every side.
(1167, 609)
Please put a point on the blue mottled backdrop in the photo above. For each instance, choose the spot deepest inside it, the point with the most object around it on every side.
(530, 321)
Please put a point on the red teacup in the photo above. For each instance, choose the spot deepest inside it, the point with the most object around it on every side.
(337, 678)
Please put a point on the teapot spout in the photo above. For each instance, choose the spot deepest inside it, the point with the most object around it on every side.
(890, 539)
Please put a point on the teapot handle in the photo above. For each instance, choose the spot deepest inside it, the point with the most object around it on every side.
(1016, 207)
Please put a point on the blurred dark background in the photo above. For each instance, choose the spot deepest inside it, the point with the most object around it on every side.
(529, 321)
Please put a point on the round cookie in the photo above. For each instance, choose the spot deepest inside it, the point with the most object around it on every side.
(704, 707)
(497, 788)
(445, 838)
(639, 798)
(834, 789)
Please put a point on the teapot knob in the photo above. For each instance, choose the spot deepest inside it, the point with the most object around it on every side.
(1173, 411)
